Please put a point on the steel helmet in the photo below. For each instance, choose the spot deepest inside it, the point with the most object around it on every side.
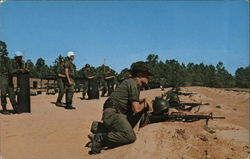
(70, 53)
(173, 97)
(87, 65)
(18, 54)
(160, 105)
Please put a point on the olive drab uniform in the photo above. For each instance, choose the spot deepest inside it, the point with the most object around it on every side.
(110, 82)
(16, 69)
(92, 88)
(117, 109)
(60, 83)
(69, 88)
(6, 83)
(86, 74)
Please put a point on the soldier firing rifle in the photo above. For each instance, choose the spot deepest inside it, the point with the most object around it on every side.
(160, 114)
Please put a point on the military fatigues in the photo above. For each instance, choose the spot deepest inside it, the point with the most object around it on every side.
(104, 87)
(110, 83)
(6, 83)
(16, 70)
(117, 110)
(69, 88)
(86, 74)
(60, 83)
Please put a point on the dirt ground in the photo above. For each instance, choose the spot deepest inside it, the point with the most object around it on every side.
(52, 132)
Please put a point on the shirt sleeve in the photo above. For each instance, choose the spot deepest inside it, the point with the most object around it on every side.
(133, 92)
(66, 65)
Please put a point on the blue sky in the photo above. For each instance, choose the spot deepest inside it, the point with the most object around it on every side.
(122, 32)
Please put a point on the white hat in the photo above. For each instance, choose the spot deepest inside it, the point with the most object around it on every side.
(71, 53)
(18, 53)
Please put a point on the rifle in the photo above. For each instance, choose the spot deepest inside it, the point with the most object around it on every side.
(150, 118)
(181, 106)
(185, 94)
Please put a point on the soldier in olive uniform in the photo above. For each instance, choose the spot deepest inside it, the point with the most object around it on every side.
(60, 82)
(89, 77)
(86, 75)
(6, 83)
(110, 80)
(69, 69)
(118, 109)
(18, 66)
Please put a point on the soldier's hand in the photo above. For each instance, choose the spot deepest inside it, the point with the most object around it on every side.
(148, 103)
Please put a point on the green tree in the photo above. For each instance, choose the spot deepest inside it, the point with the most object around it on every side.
(222, 77)
(242, 77)
(3, 49)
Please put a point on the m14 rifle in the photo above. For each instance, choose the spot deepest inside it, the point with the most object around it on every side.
(149, 118)
(185, 93)
(182, 106)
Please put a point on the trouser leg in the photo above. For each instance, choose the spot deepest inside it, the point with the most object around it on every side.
(104, 90)
(61, 92)
(12, 97)
(120, 131)
(69, 95)
(85, 89)
(110, 89)
(3, 95)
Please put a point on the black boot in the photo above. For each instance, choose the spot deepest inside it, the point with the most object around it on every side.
(97, 143)
(58, 103)
(5, 111)
(69, 107)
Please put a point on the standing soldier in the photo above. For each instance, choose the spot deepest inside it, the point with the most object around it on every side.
(69, 69)
(110, 80)
(86, 74)
(6, 80)
(121, 106)
(19, 69)
(92, 85)
(18, 66)
(60, 82)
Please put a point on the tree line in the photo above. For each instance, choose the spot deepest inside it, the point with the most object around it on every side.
(168, 74)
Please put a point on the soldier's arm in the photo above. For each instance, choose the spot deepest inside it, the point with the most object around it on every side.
(67, 75)
(137, 106)
(91, 77)
(61, 75)
(109, 77)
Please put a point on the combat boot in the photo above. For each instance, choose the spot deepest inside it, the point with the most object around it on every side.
(5, 111)
(69, 107)
(97, 143)
(60, 104)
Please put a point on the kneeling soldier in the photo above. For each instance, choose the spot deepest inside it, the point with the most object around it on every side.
(123, 103)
